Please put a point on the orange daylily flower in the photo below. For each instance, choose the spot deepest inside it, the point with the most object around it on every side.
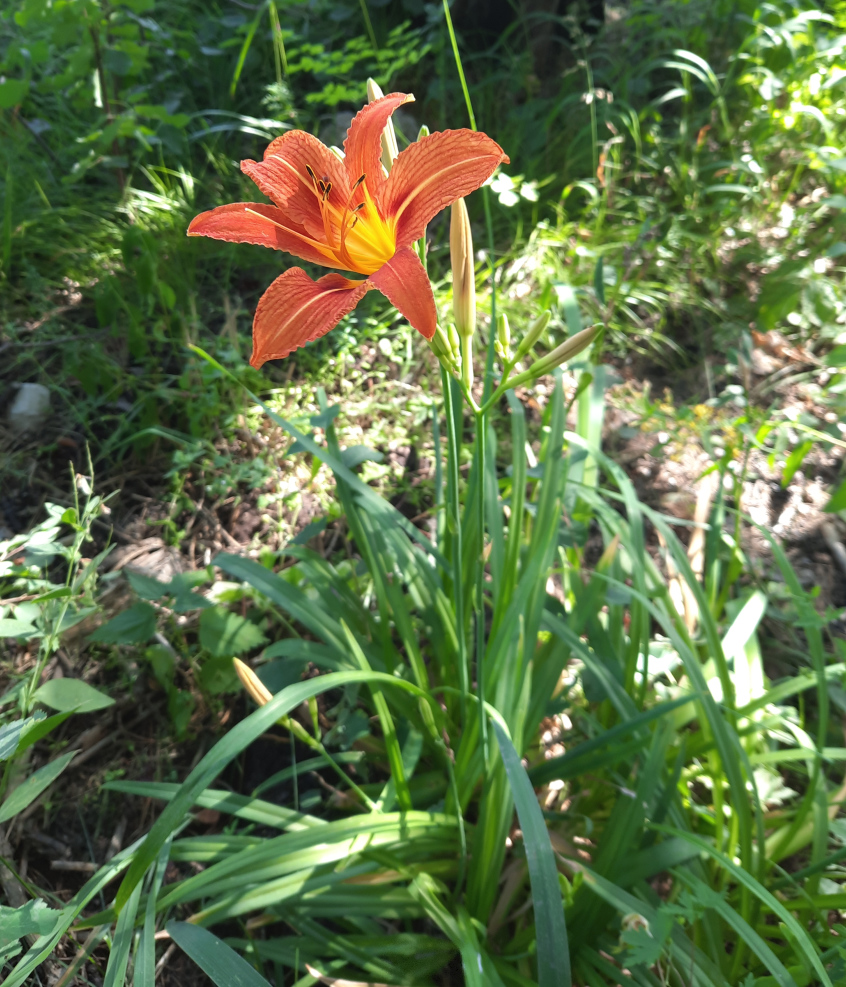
(350, 216)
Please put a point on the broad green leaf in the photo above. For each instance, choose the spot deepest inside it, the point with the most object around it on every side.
(838, 500)
(553, 953)
(134, 626)
(71, 695)
(227, 634)
(39, 727)
(10, 735)
(217, 960)
(33, 918)
(146, 586)
(30, 789)
(11, 627)
(12, 92)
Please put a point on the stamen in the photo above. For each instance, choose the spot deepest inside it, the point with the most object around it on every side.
(327, 188)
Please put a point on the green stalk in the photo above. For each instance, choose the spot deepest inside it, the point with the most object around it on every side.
(454, 527)
(481, 435)
(368, 24)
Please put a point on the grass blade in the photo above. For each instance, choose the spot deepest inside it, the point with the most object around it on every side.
(553, 954)
(217, 960)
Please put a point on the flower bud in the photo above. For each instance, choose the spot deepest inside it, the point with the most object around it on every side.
(534, 333)
(463, 269)
(566, 351)
(252, 683)
(454, 341)
(423, 131)
(503, 338)
(443, 348)
(389, 138)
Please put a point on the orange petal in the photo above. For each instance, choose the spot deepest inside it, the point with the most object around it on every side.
(296, 310)
(255, 222)
(404, 282)
(432, 173)
(363, 146)
(283, 177)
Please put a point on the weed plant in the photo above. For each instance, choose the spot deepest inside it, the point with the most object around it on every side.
(560, 775)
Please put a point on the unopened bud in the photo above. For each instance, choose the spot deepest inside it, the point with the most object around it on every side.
(454, 341)
(442, 347)
(423, 131)
(252, 683)
(503, 338)
(463, 269)
(533, 334)
(389, 138)
(566, 351)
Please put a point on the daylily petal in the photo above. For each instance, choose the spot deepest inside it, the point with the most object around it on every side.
(432, 173)
(363, 146)
(296, 310)
(283, 177)
(404, 282)
(255, 222)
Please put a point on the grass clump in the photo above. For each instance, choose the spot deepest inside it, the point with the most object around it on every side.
(531, 722)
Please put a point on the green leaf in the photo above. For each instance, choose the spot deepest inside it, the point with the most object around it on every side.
(147, 587)
(356, 455)
(553, 953)
(71, 695)
(217, 676)
(33, 918)
(795, 460)
(646, 945)
(134, 626)
(40, 726)
(837, 356)
(12, 93)
(30, 789)
(225, 634)
(10, 627)
(217, 960)
(10, 734)
(838, 500)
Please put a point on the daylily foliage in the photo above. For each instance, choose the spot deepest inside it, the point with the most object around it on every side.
(351, 216)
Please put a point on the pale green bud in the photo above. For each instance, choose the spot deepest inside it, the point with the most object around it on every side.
(566, 351)
(389, 138)
(423, 131)
(502, 345)
(463, 269)
(443, 349)
(533, 334)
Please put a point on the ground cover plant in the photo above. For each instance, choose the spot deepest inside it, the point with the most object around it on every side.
(522, 720)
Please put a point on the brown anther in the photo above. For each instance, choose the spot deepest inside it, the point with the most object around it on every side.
(327, 188)
(358, 182)
(311, 174)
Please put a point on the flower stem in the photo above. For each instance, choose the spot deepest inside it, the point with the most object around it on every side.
(454, 528)
(481, 441)
(467, 363)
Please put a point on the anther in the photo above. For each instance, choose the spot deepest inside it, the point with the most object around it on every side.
(358, 182)
(326, 189)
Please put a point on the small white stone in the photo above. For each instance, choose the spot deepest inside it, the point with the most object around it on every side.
(30, 408)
